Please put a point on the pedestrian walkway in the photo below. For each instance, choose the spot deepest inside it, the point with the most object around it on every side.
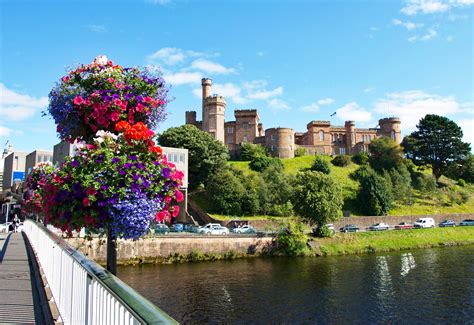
(19, 301)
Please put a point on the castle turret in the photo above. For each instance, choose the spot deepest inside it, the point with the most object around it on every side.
(213, 111)
(191, 117)
(350, 136)
(390, 127)
(206, 84)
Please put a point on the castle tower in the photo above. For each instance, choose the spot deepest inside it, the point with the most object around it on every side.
(390, 128)
(213, 111)
(191, 117)
(350, 136)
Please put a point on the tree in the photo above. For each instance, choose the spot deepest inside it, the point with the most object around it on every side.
(250, 151)
(260, 163)
(437, 142)
(341, 161)
(375, 194)
(206, 154)
(385, 154)
(463, 170)
(225, 191)
(317, 198)
(320, 165)
(276, 192)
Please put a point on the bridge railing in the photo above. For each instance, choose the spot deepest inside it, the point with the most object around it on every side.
(84, 292)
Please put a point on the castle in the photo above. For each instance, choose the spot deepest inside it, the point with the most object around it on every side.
(320, 137)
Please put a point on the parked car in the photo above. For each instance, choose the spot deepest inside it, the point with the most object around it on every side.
(424, 223)
(245, 229)
(177, 227)
(161, 228)
(403, 225)
(379, 226)
(190, 228)
(467, 222)
(447, 223)
(207, 227)
(349, 228)
(215, 229)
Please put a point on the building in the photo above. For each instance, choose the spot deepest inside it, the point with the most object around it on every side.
(35, 158)
(62, 150)
(320, 137)
(5, 153)
(13, 169)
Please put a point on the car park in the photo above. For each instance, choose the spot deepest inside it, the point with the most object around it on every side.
(403, 225)
(424, 223)
(215, 229)
(177, 227)
(207, 227)
(467, 222)
(245, 229)
(379, 226)
(161, 228)
(447, 223)
(349, 228)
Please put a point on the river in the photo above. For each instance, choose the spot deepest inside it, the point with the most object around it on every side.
(429, 286)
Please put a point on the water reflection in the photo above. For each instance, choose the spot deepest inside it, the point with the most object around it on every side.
(389, 288)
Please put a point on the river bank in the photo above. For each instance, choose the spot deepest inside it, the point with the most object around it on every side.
(169, 249)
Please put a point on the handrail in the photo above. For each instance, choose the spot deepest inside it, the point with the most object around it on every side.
(142, 310)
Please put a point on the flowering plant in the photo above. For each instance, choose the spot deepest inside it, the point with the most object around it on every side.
(122, 182)
(96, 96)
(37, 179)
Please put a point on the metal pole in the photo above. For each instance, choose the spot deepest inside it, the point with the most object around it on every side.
(111, 253)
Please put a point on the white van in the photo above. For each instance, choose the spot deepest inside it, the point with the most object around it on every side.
(424, 223)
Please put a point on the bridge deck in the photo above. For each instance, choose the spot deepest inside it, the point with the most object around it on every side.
(19, 301)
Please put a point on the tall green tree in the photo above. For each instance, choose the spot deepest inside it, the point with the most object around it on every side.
(250, 151)
(375, 193)
(385, 154)
(206, 154)
(317, 198)
(437, 142)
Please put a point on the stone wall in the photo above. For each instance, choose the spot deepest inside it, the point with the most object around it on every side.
(165, 246)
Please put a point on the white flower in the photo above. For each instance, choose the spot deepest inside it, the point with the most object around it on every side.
(101, 60)
(105, 135)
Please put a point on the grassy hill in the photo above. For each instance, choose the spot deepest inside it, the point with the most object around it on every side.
(438, 203)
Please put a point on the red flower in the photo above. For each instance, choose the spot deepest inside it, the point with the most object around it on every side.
(179, 196)
(66, 79)
(78, 100)
(122, 125)
(175, 211)
(118, 102)
(86, 202)
(91, 191)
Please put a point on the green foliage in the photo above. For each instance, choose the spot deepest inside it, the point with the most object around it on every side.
(321, 165)
(250, 151)
(401, 184)
(385, 154)
(278, 192)
(260, 163)
(463, 170)
(360, 158)
(317, 198)
(226, 191)
(437, 142)
(206, 154)
(299, 152)
(462, 182)
(291, 240)
(323, 231)
(341, 161)
(423, 182)
(375, 195)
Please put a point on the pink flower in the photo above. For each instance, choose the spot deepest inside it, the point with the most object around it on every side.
(118, 102)
(66, 79)
(86, 202)
(91, 191)
(139, 108)
(179, 196)
(175, 211)
(78, 100)
(101, 120)
(111, 80)
(168, 199)
(160, 216)
(147, 99)
(97, 106)
(114, 116)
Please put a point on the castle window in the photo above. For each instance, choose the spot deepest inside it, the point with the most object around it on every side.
(230, 130)
(393, 135)
(291, 148)
(289, 137)
(274, 137)
(321, 136)
(273, 148)
(246, 126)
(342, 151)
(246, 138)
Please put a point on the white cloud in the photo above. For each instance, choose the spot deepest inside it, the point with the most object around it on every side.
(211, 67)
(467, 126)
(97, 28)
(430, 34)
(159, 2)
(407, 24)
(369, 89)
(183, 78)
(354, 112)
(260, 53)
(374, 29)
(16, 107)
(172, 55)
(266, 94)
(325, 101)
(4, 131)
(412, 105)
(413, 7)
(278, 104)
(312, 108)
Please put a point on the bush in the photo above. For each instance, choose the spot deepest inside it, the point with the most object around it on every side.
(320, 165)
(225, 191)
(401, 184)
(462, 182)
(360, 158)
(251, 151)
(299, 152)
(291, 240)
(375, 195)
(260, 163)
(341, 161)
(323, 231)
(423, 182)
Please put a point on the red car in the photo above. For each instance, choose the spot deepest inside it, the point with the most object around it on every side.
(403, 225)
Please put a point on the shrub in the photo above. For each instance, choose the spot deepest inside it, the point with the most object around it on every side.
(423, 182)
(260, 163)
(462, 182)
(250, 151)
(375, 195)
(291, 239)
(341, 161)
(299, 152)
(225, 191)
(320, 165)
(360, 158)
(401, 184)
(323, 231)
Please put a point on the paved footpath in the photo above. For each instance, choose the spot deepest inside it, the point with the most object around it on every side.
(19, 301)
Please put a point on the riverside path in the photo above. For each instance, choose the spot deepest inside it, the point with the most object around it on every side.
(19, 299)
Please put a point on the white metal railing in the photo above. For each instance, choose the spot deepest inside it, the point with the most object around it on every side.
(84, 292)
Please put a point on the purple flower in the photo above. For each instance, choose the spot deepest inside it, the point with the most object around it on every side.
(166, 172)
(115, 160)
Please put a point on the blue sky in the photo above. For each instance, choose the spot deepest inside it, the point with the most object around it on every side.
(294, 61)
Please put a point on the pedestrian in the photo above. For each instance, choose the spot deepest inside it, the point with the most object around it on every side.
(16, 223)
